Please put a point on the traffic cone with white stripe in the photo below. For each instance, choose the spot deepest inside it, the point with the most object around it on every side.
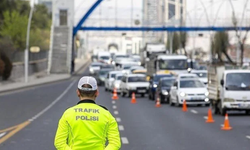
(184, 106)
(158, 102)
(115, 96)
(133, 100)
(226, 124)
(210, 116)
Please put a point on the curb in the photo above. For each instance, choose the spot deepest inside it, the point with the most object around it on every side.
(24, 87)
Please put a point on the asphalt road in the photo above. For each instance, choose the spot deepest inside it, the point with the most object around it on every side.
(142, 125)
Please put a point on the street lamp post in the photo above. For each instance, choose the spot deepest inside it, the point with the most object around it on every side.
(26, 53)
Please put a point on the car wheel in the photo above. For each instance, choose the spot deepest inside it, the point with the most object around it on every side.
(106, 89)
(207, 105)
(129, 94)
(142, 95)
(223, 111)
(247, 112)
(153, 96)
(170, 101)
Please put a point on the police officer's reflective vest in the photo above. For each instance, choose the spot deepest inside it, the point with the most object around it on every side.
(86, 126)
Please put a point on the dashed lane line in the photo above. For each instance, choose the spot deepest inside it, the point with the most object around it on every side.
(205, 117)
(113, 102)
(116, 112)
(124, 140)
(194, 111)
(114, 107)
(121, 128)
(118, 119)
(248, 137)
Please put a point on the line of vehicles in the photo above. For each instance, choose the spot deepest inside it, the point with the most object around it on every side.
(173, 79)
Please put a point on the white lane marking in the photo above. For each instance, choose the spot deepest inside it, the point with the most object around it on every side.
(114, 107)
(121, 128)
(205, 117)
(2, 134)
(248, 136)
(118, 119)
(222, 125)
(194, 111)
(53, 103)
(113, 102)
(116, 112)
(124, 140)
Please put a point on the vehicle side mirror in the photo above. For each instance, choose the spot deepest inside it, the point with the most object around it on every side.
(222, 82)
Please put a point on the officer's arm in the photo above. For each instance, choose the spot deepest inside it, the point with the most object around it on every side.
(62, 135)
(113, 135)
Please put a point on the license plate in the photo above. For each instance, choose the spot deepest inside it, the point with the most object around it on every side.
(196, 98)
(141, 91)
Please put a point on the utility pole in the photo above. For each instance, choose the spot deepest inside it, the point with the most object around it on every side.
(26, 53)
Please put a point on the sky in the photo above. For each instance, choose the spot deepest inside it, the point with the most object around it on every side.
(218, 12)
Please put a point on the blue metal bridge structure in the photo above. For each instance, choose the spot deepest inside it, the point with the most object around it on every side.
(159, 29)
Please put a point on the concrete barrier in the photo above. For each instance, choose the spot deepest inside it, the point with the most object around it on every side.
(34, 67)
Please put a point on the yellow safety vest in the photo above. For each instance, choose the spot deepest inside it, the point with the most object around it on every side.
(87, 126)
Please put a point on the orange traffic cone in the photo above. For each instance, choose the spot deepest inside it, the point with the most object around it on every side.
(184, 106)
(158, 102)
(210, 117)
(133, 100)
(115, 96)
(226, 124)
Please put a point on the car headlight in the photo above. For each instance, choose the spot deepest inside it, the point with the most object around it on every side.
(139, 63)
(206, 93)
(164, 92)
(91, 69)
(117, 85)
(229, 100)
(102, 78)
(155, 85)
(182, 94)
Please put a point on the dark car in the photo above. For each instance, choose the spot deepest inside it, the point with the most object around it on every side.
(153, 83)
(164, 88)
(101, 75)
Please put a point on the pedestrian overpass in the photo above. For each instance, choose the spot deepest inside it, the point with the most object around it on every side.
(61, 59)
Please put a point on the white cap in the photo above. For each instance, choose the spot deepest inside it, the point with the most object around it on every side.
(87, 80)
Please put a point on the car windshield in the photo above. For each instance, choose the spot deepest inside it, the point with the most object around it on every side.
(188, 77)
(167, 82)
(122, 56)
(107, 66)
(174, 64)
(201, 75)
(126, 67)
(118, 77)
(158, 77)
(103, 72)
(195, 65)
(105, 57)
(191, 84)
(113, 75)
(95, 65)
(137, 79)
(238, 81)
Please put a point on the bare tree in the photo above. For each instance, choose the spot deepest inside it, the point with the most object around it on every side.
(241, 38)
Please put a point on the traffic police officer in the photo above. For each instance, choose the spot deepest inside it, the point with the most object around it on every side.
(87, 125)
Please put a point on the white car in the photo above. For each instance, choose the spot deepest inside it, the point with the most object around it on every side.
(187, 76)
(117, 81)
(193, 91)
(135, 68)
(110, 78)
(134, 83)
(94, 67)
(202, 74)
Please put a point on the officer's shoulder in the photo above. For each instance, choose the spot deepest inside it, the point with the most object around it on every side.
(103, 107)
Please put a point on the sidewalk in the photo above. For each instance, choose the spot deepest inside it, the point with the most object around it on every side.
(40, 78)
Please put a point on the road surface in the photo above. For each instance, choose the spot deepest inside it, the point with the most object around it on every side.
(29, 118)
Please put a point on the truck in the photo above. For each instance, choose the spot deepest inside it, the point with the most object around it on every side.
(104, 57)
(229, 88)
(160, 63)
(151, 49)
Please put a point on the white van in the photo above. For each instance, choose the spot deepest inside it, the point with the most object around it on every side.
(104, 57)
